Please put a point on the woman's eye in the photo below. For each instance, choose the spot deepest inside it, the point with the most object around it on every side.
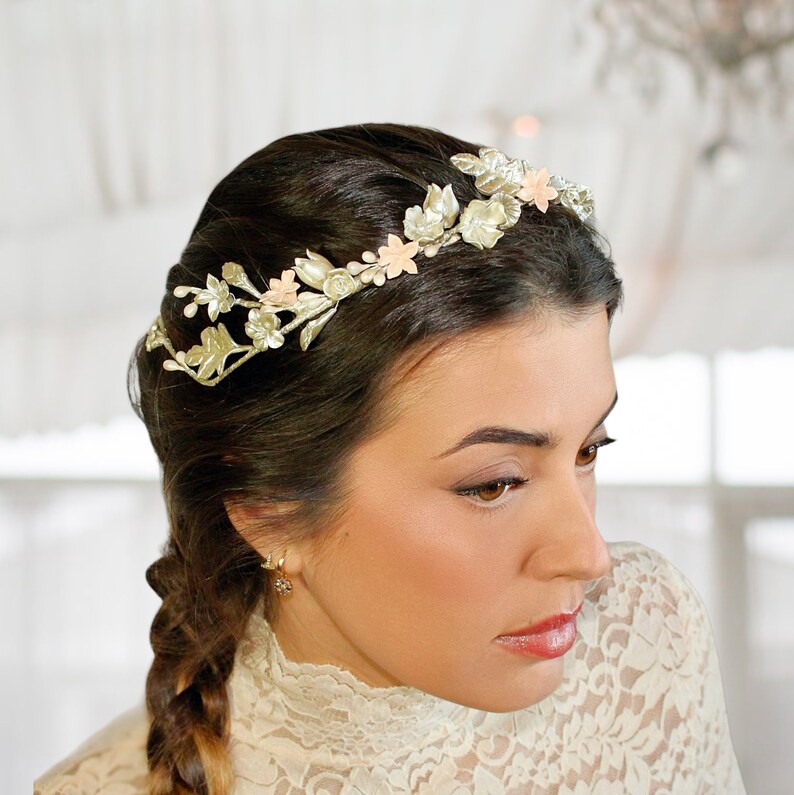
(587, 455)
(492, 491)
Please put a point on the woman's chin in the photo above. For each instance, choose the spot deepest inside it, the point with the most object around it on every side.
(510, 693)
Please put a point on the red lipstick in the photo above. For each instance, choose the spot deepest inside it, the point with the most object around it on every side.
(550, 638)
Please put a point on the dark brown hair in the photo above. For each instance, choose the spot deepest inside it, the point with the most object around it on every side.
(279, 430)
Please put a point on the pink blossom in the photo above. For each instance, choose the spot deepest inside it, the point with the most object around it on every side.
(398, 256)
(535, 188)
(283, 290)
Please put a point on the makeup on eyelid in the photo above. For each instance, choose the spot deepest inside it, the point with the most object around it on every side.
(517, 482)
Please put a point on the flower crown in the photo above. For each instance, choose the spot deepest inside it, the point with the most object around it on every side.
(437, 223)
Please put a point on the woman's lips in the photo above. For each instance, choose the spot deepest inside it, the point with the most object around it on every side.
(550, 638)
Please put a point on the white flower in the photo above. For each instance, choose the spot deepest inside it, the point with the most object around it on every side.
(312, 269)
(339, 284)
(263, 328)
(216, 295)
(423, 226)
(480, 221)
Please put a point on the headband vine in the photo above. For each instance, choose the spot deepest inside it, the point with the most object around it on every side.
(437, 223)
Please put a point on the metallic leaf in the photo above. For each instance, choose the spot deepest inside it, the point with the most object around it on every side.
(578, 198)
(500, 174)
(492, 159)
(468, 164)
(313, 327)
(210, 357)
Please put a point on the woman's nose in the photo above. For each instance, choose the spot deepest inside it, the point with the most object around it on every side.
(570, 543)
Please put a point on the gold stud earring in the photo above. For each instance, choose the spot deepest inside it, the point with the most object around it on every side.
(282, 585)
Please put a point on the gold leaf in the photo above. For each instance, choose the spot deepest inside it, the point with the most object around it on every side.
(500, 174)
(210, 356)
(492, 159)
(313, 327)
(506, 180)
(468, 164)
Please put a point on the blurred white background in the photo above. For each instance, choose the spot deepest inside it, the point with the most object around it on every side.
(119, 117)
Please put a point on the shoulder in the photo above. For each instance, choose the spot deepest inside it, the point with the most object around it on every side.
(647, 677)
(631, 559)
(642, 578)
(666, 615)
(110, 762)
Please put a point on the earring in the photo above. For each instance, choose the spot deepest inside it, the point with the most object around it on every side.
(282, 585)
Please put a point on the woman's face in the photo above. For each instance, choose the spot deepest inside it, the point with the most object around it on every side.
(421, 578)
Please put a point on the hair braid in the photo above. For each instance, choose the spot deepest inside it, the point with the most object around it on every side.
(194, 647)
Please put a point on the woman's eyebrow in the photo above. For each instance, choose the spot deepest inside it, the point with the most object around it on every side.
(500, 435)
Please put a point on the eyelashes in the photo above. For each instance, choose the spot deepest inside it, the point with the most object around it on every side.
(586, 457)
(494, 505)
(585, 462)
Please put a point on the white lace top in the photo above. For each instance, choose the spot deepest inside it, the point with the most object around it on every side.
(640, 710)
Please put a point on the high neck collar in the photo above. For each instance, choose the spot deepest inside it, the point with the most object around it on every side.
(348, 715)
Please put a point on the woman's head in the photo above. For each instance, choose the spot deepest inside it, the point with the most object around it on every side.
(331, 453)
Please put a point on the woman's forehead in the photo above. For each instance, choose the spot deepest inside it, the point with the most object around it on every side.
(537, 351)
(550, 374)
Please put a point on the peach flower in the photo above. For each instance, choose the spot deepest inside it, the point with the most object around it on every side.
(283, 290)
(535, 188)
(398, 257)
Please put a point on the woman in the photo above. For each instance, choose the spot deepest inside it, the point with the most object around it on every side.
(383, 573)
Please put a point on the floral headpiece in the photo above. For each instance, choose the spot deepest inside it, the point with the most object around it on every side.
(437, 223)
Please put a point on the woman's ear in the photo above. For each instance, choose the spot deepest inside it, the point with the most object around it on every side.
(264, 526)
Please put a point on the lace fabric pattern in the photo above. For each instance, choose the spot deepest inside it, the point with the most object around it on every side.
(640, 710)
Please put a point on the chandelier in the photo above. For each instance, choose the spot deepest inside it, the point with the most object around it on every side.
(734, 49)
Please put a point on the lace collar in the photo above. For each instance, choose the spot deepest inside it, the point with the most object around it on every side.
(328, 705)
